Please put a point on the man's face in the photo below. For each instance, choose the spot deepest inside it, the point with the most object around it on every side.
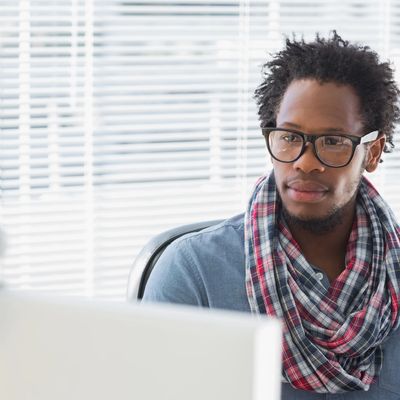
(310, 190)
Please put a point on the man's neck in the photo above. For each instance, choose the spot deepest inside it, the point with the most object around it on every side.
(326, 251)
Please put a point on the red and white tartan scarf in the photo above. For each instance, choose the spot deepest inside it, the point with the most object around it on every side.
(331, 338)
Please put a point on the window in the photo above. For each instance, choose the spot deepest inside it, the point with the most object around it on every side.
(120, 119)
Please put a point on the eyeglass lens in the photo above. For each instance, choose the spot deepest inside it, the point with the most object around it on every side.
(333, 150)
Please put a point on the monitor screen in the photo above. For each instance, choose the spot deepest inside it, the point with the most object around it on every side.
(69, 348)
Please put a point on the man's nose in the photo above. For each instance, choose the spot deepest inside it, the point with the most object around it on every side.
(308, 162)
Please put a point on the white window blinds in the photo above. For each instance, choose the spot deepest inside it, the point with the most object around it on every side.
(120, 119)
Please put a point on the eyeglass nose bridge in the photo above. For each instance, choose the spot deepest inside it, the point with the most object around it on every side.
(309, 139)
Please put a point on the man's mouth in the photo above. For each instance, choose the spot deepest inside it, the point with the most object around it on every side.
(306, 191)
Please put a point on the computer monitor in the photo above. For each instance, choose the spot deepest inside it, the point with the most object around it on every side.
(67, 348)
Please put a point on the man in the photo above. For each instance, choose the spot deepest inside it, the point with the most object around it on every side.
(318, 247)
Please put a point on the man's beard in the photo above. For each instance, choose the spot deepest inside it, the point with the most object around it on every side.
(332, 219)
(321, 225)
(316, 226)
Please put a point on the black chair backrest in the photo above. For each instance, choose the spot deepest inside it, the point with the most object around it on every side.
(151, 252)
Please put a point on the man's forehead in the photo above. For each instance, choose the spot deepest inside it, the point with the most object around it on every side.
(320, 106)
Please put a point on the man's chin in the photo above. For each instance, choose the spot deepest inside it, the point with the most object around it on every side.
(317, 224)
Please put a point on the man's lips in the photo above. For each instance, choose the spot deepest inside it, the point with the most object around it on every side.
(306, 191)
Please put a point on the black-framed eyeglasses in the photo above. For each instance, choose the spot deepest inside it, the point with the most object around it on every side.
(332, 150)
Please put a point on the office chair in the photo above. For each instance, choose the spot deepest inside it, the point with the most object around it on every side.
(151, 252)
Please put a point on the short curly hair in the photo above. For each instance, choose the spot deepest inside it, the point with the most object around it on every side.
(333, 60)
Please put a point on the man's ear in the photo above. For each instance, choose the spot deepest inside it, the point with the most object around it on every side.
(374, 152)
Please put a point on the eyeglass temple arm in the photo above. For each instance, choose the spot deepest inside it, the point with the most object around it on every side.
(369, 137)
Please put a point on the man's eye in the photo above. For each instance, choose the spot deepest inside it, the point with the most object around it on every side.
(333, 141)
(290, 138)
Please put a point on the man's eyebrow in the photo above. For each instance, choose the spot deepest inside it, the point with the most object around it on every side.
(321, 130)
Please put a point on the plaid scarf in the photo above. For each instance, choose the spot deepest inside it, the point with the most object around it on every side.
(331, 338)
